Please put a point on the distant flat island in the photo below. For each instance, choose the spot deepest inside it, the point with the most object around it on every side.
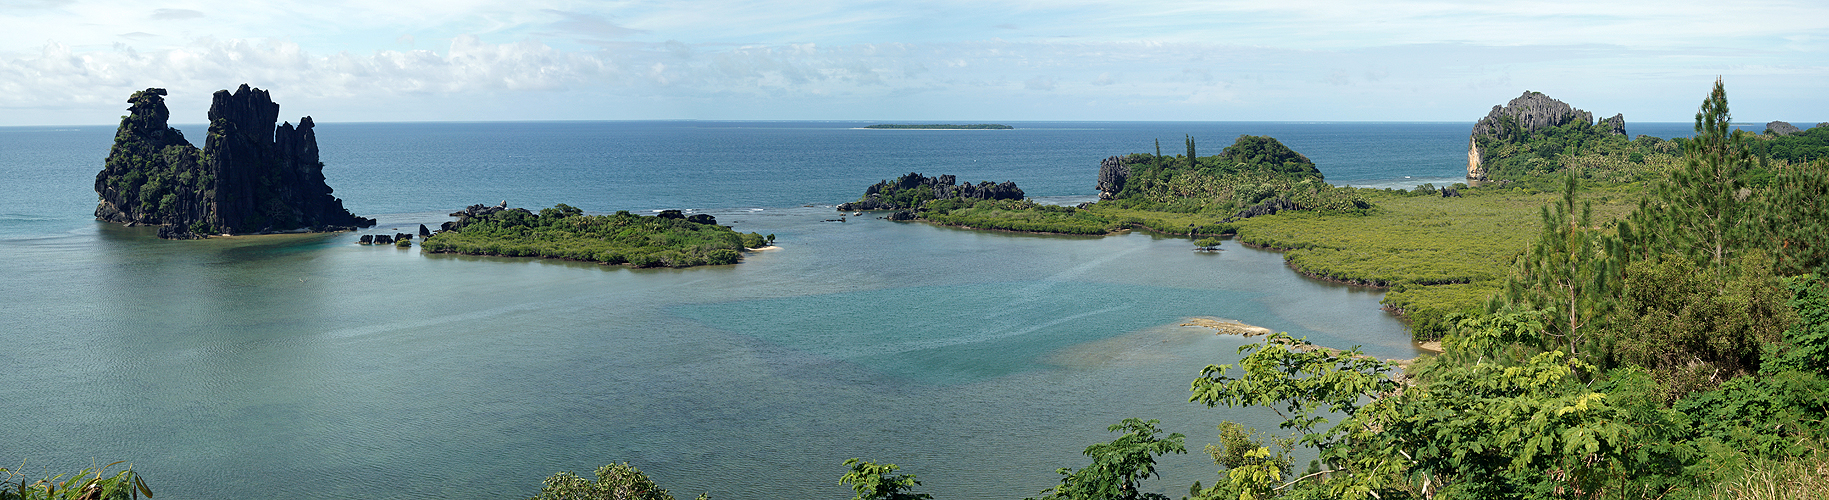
(979, 126)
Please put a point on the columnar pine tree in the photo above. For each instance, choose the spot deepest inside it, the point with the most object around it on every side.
(1702, 211)
(1570, 271)
(1191, 163)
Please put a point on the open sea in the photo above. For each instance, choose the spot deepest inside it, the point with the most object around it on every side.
(306, 366)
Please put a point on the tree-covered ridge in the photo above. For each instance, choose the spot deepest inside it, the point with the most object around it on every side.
(1803, 146)
(975, 126)
(564, 232)
(1253, 170)
(1534, 135)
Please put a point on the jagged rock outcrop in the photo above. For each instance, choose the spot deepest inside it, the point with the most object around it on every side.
(705, 219)
(1268, 207)
(1518, 119)
(1613, 126)
(888, 195)
(870, 202)
(476, 211)
(250, 176)
(1112, 174)
(1781, 128)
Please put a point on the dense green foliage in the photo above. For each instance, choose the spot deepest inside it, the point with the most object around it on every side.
(86, 484)
(152, 169)
(1809, 145)
(1183, 194)
(1586, 149)
(617, 481)
(1118, 465)
(975, 126)
(622, 238)
(873, 481)
(1254, 169)
(1018, 215)
(1664, 358)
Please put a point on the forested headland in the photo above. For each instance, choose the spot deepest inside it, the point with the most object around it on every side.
(1622, 319)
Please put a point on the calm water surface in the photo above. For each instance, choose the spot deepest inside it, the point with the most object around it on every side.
(305, 366)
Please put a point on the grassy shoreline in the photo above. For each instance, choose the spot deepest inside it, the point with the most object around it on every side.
(1435, 255)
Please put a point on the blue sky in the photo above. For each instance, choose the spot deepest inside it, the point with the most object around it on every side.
(70, 62)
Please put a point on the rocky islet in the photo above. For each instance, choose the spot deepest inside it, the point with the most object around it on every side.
(249, 177)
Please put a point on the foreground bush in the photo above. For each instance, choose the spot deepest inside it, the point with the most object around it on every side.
(614, 482)
(86, 484)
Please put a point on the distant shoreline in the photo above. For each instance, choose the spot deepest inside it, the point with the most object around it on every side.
(978, 126)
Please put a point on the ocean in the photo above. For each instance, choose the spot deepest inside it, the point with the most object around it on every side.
(306, 366)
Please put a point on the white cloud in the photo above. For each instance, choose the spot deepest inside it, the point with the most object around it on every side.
(1193, 59)
(171, 14)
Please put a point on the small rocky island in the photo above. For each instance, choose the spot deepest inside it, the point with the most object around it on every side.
(976, 126)
(910, 192)
(250, 177)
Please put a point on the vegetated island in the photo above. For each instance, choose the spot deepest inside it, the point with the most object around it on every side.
(670, 239)
(250, 177)
(978, 126)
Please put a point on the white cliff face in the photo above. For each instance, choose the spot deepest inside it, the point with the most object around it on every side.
(1475, 172)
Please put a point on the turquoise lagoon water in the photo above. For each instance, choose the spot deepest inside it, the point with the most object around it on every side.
(305, 366)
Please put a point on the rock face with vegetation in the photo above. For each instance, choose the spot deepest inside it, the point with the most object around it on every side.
(914, 190)
(250, 176)
(1112, 173)
(1522, 119)
(1781, 128)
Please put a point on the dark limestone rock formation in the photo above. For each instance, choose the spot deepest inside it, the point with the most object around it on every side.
(382, 239)
(1781, 128)
(672, 214)
(705, 219)
(1112, 174)
(1268, 207)
(870, 202)
(1613, 126)
(886, 195)
(982, 191)
(476, 211)
(177, 233)
(424, 232)
(250, 176)
(367, 239)
(901, 215)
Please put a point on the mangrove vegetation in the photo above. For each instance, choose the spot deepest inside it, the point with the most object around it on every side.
(565, 232)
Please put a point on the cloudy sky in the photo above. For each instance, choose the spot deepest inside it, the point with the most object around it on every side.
(71, 62)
